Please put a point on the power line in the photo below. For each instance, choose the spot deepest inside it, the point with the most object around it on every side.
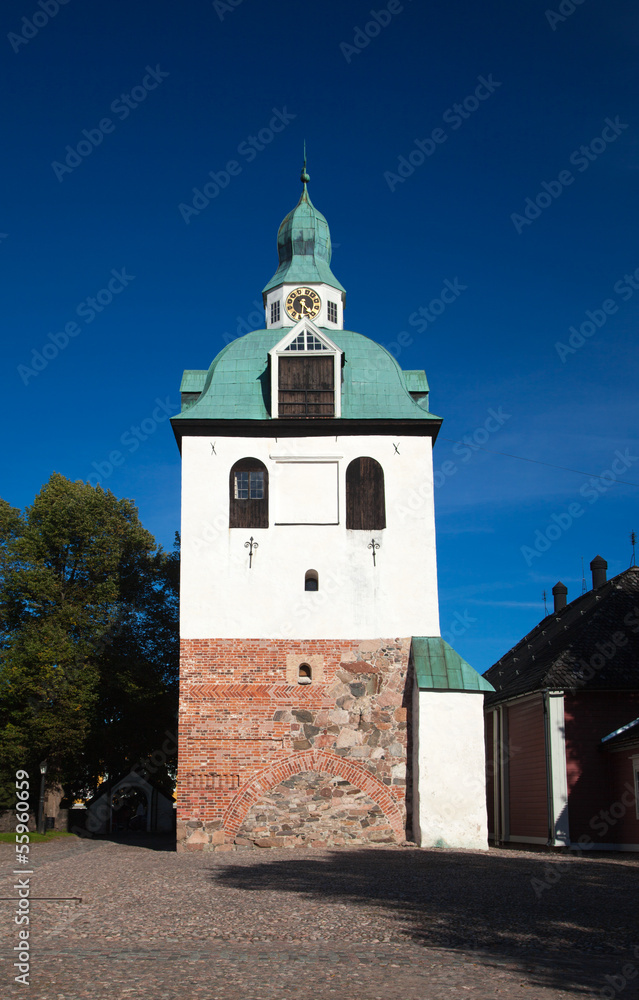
(535, 461)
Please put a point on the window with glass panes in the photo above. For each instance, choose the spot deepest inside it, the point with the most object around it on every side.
(249, 485)
(248, 494)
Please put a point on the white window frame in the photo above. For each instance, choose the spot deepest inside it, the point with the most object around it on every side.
(279, 350)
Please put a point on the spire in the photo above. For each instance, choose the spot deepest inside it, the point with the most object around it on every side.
(304, 176)
(304, 245)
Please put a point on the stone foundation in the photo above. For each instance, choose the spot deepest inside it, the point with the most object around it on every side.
(253, 744)
(313, 809)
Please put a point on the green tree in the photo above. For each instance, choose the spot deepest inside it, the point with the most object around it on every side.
(88, 637)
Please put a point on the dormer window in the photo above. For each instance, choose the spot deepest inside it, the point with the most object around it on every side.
(306, 374)
(306, 341)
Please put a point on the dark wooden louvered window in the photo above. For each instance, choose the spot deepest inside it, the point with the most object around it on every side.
(365, 503)
(248, 494)
(306, 387)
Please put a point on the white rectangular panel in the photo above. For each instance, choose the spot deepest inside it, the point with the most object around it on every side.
(305, 493)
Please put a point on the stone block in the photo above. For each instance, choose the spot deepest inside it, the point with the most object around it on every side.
(360, 667)
(198, 837)
(389, 698)
(338, 716)
(348, 738)
(303, 715)
(344, 676)
(283, 715)
(369, 646)
(346, 702)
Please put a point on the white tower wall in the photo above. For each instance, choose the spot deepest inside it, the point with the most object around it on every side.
(222, 597)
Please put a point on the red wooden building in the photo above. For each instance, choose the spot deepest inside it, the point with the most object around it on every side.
(562, 727)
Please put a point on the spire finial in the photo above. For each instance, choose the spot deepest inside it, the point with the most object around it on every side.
(304, 176)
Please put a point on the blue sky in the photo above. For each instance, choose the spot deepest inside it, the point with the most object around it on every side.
(183, 89)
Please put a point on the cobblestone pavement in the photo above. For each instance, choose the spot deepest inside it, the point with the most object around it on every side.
(364, 923)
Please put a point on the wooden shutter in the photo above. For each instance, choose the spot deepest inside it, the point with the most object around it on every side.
(365, 502)
(306, 387)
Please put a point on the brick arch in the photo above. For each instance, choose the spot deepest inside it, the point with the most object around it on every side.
(313, 760)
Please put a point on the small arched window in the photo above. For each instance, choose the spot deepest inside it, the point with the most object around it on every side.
(248, 494)
(304, 674)
(311, 580)
(365, 503)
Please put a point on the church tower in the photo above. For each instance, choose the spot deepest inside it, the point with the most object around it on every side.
(318, 704)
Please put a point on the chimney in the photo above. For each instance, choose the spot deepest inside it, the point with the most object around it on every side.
(559, 592)
(598, 567)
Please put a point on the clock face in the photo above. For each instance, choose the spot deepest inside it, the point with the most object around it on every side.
(303, 302)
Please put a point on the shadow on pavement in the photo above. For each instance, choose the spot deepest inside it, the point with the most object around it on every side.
(150, 841)
(568, 922)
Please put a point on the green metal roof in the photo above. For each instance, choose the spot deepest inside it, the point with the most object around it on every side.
(193, 381)
(416, 381)
(304, 247)
(439, 668)
(237, 385)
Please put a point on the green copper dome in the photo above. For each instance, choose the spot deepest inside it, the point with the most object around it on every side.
(304, 246)
(237, 384)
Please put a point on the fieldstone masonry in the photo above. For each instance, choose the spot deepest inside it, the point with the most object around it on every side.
(269, 763)
(313, 809)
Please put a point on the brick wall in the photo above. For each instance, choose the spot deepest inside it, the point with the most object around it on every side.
(245, 729)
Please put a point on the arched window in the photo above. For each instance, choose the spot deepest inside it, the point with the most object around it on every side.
(311, 580)
(365, 504)
(248, 494)
(304, 674)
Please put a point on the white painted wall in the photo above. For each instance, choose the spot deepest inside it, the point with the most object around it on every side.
(449, 778)
(556, 735)
(222, 598)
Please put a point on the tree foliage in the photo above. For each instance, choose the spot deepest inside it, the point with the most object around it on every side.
(88, 637)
